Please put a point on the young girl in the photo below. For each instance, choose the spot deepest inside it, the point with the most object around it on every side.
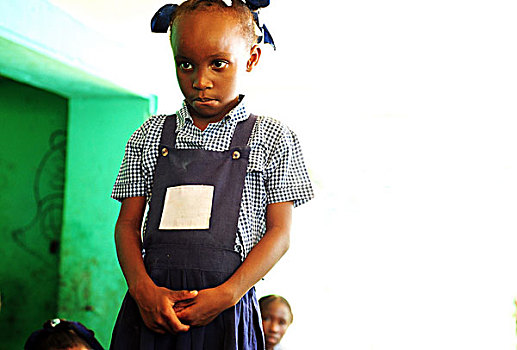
(220, 184)
(276, 318)
(59, 334)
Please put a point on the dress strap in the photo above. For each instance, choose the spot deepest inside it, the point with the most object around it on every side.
(243, 130)
(169, 131)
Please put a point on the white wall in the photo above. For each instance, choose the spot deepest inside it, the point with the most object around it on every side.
(407, 115)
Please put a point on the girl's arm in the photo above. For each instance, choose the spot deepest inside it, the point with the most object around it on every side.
(211, 302)
(155, 303)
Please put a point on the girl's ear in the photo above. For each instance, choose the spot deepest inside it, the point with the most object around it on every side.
(254, 58)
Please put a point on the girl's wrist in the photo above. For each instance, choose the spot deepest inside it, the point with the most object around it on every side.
(230, 293)
(139, 286)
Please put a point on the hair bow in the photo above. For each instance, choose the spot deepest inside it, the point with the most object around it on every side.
(162, 19)
(266, 37)
(254, 5)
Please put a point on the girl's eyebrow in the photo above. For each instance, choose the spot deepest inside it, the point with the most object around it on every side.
(219, 54)
(180, 57)
(215, 55)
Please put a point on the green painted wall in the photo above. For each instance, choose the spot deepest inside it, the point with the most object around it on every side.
(58, 255)
(91, 283)
(32, 160)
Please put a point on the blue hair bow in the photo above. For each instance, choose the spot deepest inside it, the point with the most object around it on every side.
(254, 5)
(162, 19)
(266, 35)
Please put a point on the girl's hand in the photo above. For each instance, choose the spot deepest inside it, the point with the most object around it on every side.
(211, 302)
(205, 307)
(156, 307)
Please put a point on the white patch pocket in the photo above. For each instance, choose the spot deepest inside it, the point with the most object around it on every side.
(187, 207)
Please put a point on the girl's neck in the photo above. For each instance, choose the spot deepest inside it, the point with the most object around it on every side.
(202, 122)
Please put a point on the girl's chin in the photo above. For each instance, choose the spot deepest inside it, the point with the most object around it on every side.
(208, 110)
(271, 342)
(203, 111)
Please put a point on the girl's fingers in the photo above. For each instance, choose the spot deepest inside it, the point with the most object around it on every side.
(183, 305)
(168, 323)
(174, 323)
(154, 325)
(162, 318)
(158, 330)
(179, 295)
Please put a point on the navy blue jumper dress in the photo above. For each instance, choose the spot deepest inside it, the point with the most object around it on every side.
(195, 259)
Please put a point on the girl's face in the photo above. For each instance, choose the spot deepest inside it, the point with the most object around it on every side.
(211, 54)
(276, 318)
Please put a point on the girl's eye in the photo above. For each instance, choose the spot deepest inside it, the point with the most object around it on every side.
(185, 66)
(220, 64)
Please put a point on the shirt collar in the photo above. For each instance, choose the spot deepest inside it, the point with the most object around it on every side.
(237, 114)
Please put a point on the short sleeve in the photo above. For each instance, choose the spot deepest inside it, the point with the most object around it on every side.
(130, 181)
(287, 178)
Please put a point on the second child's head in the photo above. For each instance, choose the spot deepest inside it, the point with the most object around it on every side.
(59, 334)
(276, 318)
(213, 46)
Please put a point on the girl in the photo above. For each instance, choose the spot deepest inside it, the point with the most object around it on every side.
(220, 184)
(276, 318)
(59, 334)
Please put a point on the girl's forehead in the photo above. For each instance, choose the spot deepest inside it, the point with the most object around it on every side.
(276, 306)
(206, 31)
(204, 20)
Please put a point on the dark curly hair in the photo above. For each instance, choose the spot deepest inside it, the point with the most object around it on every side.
(238, 10)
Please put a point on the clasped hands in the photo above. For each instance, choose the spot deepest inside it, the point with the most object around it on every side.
(168, 311)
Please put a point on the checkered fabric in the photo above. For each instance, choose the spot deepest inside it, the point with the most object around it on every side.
(276, 170)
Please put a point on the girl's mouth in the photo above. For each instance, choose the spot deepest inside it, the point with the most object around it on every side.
(204, 102)
(203, 99)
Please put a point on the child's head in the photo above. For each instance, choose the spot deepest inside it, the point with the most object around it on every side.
(237, 11)
(213, 46)
(60, 334)
(276, 318)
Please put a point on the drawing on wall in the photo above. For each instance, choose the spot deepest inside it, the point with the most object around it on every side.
(48, 189)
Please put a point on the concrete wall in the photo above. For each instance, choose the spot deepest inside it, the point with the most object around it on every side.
(91, 283)
(58, 255)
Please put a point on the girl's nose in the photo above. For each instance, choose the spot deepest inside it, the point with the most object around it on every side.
(202, 80)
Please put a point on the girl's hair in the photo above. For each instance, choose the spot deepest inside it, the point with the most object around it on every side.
(268, 299)
(238, 10)
(59, 334)
(60, 340)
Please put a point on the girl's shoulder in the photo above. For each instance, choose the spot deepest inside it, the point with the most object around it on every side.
(270, 130)
(149, 132)
(269, 122)
(153, 122)
(271, 139)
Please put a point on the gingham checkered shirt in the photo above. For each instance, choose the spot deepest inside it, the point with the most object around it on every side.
(276, 170)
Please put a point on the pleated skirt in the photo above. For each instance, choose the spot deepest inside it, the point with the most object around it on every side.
(182, 268)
